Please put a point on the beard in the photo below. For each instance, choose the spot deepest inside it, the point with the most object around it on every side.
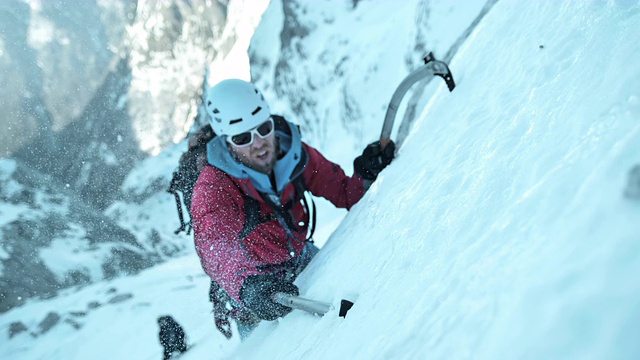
(253, 160)
(265, 168)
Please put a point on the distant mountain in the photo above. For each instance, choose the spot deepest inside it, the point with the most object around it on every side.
(94, 89)
(102, 83)
(56, 57)
(51, 241)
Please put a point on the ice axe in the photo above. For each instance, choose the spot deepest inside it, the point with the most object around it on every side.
(428, 71)
(310, 306)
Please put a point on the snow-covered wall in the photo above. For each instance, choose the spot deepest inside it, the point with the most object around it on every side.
(332, 66)
(506, 227)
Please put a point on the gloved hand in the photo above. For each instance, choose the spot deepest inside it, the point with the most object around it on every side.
(373, 160)
(257, 294)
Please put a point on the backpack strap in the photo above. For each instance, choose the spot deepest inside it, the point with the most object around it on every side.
(283, 214)
(301, 188)
(173, 189)
(252, 216)
(251, 212)
(185, 177)
(280, 213)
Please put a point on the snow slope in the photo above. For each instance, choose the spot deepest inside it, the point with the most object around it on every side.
(115, 319)
(500, 231)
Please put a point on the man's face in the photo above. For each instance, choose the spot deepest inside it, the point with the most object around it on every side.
(260, 155)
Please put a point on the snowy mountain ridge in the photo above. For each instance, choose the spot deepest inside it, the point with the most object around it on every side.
(50, 240)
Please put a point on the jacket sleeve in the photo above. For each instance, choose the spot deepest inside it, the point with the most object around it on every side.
(218, 217)
(328, 180)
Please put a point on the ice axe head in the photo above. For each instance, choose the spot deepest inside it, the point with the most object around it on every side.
(345, 306)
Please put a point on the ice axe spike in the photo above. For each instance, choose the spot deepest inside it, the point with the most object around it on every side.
(311, 306)
(429, 70)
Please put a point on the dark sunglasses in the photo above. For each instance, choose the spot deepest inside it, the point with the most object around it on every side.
(246, 138)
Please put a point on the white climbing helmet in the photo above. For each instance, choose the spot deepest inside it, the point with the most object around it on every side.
(235, 106)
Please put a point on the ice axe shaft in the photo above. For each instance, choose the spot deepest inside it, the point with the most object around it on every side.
(310, 306)
(429, 70)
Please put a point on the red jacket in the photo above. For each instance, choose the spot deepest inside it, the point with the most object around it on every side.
(218, 218)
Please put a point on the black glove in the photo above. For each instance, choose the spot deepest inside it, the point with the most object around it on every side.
(257, 294)
(373, 160)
